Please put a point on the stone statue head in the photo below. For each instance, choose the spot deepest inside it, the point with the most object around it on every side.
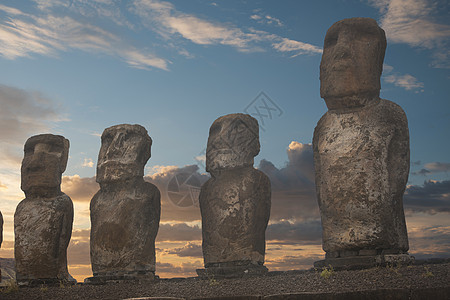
(352, 62)
(233, 142)
(44, 161)
(124, 152)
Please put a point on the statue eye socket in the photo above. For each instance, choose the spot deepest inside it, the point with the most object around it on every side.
(56, 148)
(107, 138)
(330, 40)
(215, 129)
(29, 150)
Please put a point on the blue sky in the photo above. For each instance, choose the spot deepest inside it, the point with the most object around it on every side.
(77, 67)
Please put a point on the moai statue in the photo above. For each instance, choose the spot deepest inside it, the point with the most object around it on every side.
(126, 210)
(235, 201)
(361, 152)
(43, 220)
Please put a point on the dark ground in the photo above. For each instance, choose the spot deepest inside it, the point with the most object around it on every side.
(432, 276)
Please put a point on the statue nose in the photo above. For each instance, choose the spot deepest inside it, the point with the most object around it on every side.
(36, 162)
(342, 53)
(342, 49)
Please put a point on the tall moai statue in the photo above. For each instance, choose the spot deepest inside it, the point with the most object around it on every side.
(361, 152)
(43, 220)
(125, 212)
(235, 201)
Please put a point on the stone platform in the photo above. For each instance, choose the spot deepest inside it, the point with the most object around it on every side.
(362, 259)
(231, 270)
(117, 277)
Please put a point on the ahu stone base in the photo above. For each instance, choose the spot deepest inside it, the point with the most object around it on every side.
(46, 281)
(363, 259)
(231, 270)
(104, 278)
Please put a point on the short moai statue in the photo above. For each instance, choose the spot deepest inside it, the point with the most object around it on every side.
(125, 212)
(43, 220)
(361, 152)
(235, 201)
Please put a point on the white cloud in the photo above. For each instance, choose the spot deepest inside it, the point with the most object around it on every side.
(413, 22)
(387, 68)
(274, 20)
(441, 59)
(88, 163)
(199, 31)
(161, 169)
(92, 9)
(23, 34)
(141, 60)
(163, 18)
(57, 26)
(269, 20)
(406, 81)
(287, 45)
(10, 10)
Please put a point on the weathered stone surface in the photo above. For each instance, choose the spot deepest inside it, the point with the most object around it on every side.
(352, 63)
(43, 220)
(235, 202)
(361, 146)
(125, 212)
(233, 142)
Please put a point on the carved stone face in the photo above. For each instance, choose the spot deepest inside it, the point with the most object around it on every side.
(233, 142)
(352, 62)
(44, 162)
(124, 152)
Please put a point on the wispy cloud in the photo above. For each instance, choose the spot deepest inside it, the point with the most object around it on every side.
(432, 168)
(287, 45)
(51, 27)
(266, 19)
(406, 81)
(438, 167)
(170, 23)
(413, 22)
(23, 34)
